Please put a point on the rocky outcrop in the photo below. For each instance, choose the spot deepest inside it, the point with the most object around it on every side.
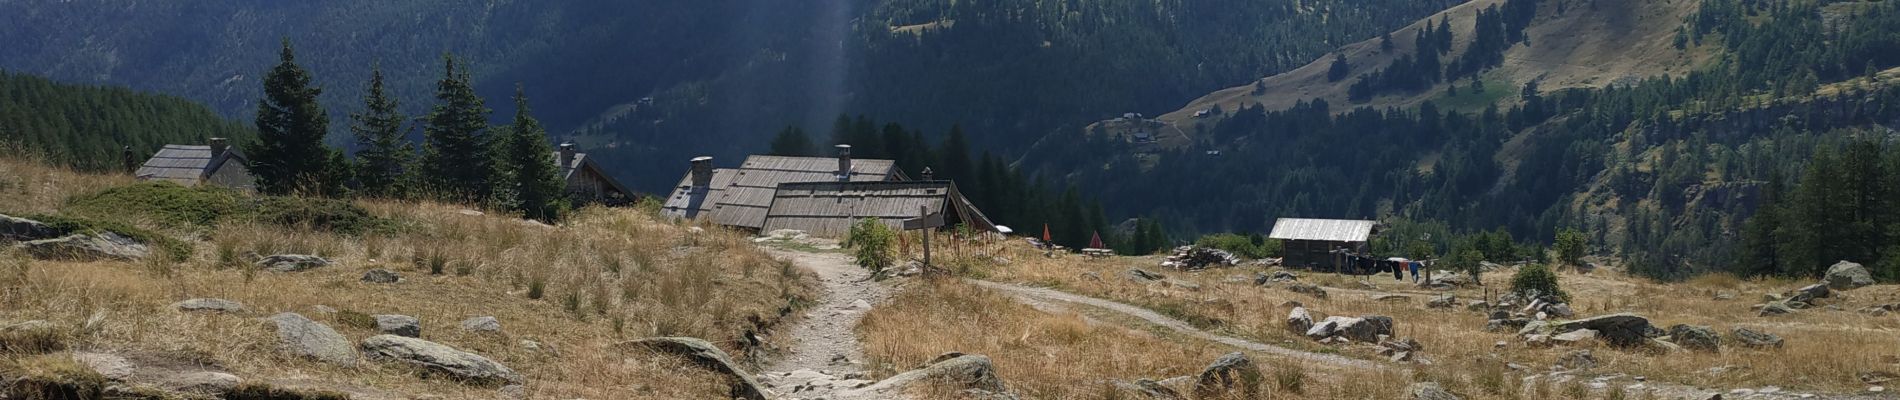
(1299, 320)
(1230, 372)
(1621, 330)
(705, 355)
(209, 305)
(176, 378)
(1367, 329)
(380, 275)
(1846, 275)
(1755, 339)
(16, 229)
(87, 247)
(301, 336)
(482, 324)
(437, 358)
(292, 262)
(399, 325)
(1699, 338)
(1808, 294)
(970, 374)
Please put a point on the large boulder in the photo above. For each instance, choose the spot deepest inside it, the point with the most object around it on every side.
(437, 358)
(1327, 328)
(88, 247)
(1299, 320)
(1699, 338)
(209, 305)
(970, 374)
(301, 336)
(1367, 329)
(15, 229)
(1623, 329)
(1429, 391)
(292, 262)
(399, 325)
(1756, 339)
(1847, 275)
(1227, 373)
(1146, 389)
(1807, 294)
(705, 355)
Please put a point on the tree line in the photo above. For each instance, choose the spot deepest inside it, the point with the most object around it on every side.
(89, 127)
(461, 158)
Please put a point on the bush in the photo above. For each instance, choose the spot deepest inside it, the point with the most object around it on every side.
(871, 242)
(1242, 245)
(318, 213)
(1538, 278)
(172, 206)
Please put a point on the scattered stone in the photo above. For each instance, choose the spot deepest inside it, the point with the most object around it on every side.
(1808, 294)
(971, 372)
(1775, 308)
(1400, 350)
(1291, 304)
(1225, 374)
(1579, 359)
(292, 262)
(87, 247)
(1139, 274)
(1148, 389)
(1755, 339)
(1574, 338)
(1560, 310)
(1876, 377)
(1846, 275)
(1429, 391)
(1299, 320)
(1283, 276)
(1446, 301)
(512, 392)
(1366, 329)
(438, 358)
(1194, 258)
(209, 305)
(399, 325)
(1622, 329)
(482, 324)
(16, 229)
(1325, 329)
(380, 275)
(1477, 305)
(1699, 338)
(301, 336)
(1310, 290)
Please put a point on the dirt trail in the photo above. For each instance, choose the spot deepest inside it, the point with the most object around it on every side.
(825, 341)
(1047, 299)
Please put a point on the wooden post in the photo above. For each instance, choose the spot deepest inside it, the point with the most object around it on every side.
(924, 212)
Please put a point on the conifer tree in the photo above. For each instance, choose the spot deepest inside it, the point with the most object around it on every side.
(384, 154)
(792, 141)
(289, 155)
(955, 157)
(530, 175)
(456, 164)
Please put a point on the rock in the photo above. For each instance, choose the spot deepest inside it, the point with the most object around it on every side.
(1755, 339)
(209, 305)
(860, 304)
(705, 355)
(1147, 389)
(1574, 338)
(87, 247)
(1299, 320)
(1139, 274)
(301, 336)
(512, 392)
(438, 358)
(1846, 275)
(1310, 290)
(1622, 329)
(171, 377)
(1663, 345)
(292, 262)
(1809, 293)
(1092, 275)
(399, 325)
(1429, 391)
(1442, 302)
(1225, 373)
(380, 275)
(968, 372)
(1368, 329)
(1559, 310)
(1775, 308)
(1283, 276)
(1580, 359)
(1537, 340)
(1291, 304)
(16, 229)
(1533, 328)
(1387, 297)
(1477, 305)
(482, 324)
(1327, 328)
(1876, 377)
(1699, 338)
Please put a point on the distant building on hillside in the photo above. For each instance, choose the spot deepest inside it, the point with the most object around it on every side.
(818, 194)
(586, 181)
(192, 165)
(1311, 243)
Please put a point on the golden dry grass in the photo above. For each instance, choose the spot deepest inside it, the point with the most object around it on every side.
(1825, 349)
(608, 275)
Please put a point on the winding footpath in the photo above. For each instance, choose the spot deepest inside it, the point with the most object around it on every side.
(824, 345)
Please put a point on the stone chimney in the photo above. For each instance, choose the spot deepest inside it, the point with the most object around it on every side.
(702, 171)
(567, 155)
(929, 174)
(844, 162)
(218, 146)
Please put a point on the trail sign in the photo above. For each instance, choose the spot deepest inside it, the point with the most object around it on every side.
(931, 221)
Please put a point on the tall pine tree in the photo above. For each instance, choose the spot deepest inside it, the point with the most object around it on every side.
(456, 164)
(290, 156)
(530, 176)
(383, 155)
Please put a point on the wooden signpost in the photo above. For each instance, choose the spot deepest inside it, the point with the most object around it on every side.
(925, 222)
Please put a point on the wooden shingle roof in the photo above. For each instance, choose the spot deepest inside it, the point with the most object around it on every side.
(829, 209)
(741, 196)
(185, 164)
(1331, 230)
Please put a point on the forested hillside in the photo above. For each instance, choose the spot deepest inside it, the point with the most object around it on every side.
(88, 126)
(1662, 172)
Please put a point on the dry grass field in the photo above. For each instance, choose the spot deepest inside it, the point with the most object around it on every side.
(1827, 348)
(604, 276)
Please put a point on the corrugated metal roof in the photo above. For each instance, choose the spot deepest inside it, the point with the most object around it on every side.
(1333, 230)
(185, 164)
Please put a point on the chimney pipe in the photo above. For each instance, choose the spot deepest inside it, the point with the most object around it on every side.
(929, 174)
(702, 171)
(567, 156)
(844, 162)
(218, 146)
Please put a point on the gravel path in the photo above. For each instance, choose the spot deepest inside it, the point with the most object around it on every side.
(824, 341)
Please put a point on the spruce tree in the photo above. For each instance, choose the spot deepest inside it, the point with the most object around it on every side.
(289, 155)
(1339, 69)
(530, 175)
(792, 141)
(384, 154)
(955, 156)
(456, 164)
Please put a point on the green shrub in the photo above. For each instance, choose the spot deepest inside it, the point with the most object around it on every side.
(318, 213)
(1539, 278)
(166, 203)
(871, 244)
(1249, 246)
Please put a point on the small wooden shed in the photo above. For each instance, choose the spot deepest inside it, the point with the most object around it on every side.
(1311, 243)
(586, 182)
(215, 163)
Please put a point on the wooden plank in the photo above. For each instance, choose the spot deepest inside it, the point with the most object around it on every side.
(932, 221)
